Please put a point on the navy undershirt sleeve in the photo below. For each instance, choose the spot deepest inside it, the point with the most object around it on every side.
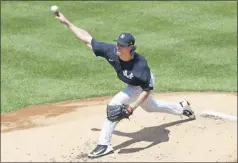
(100, 48)
(145, 77)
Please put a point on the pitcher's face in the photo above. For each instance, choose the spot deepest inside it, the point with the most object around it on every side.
(122, 49)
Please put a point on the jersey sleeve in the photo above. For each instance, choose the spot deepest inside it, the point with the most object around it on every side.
(100, 48)
(143, 74)
(146, 78)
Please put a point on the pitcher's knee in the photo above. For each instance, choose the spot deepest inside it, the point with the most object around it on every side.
(116, 101)
(113, 102)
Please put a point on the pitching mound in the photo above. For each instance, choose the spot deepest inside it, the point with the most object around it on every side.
(68, 131)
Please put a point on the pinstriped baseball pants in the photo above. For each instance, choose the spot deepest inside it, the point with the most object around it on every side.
(129, 95)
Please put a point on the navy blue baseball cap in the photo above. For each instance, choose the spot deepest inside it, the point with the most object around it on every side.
(125, 39)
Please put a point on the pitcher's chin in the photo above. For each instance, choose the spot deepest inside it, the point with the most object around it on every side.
(118, 53)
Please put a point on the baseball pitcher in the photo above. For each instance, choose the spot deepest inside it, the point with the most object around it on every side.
(132, 69)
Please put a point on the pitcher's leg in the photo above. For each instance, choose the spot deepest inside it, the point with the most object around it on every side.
(104, 147)
(153, 105)
(106, 132)
(128, 95)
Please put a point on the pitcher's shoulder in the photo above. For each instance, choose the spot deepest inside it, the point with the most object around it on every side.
(102, 48)
(141, 66)
(140, 60)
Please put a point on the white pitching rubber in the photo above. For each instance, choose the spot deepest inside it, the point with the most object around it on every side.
(219, 115)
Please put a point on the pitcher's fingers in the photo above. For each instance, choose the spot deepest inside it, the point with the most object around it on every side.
(57, 14)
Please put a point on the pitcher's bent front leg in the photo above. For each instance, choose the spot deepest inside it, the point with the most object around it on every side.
(128, 95)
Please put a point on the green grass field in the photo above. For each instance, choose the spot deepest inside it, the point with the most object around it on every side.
(190, 46)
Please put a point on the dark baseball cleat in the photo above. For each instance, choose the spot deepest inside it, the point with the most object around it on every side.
(101, 150)
(187, 111)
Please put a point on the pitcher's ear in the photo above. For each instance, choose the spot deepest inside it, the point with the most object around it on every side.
(133, 47)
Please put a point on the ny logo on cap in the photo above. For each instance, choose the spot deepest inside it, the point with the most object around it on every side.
(122, 36)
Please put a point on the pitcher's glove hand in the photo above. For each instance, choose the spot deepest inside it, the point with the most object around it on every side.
(118, 112)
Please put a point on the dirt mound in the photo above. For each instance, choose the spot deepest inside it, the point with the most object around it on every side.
(68, 131)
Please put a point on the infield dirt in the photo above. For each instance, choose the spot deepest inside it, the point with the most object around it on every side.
(67, 131)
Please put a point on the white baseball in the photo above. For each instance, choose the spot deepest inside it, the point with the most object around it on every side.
(54, 8)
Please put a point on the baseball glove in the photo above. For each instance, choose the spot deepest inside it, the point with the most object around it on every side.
(118, 112)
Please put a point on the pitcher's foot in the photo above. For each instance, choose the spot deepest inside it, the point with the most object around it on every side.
(101, 150)
(187, 110)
